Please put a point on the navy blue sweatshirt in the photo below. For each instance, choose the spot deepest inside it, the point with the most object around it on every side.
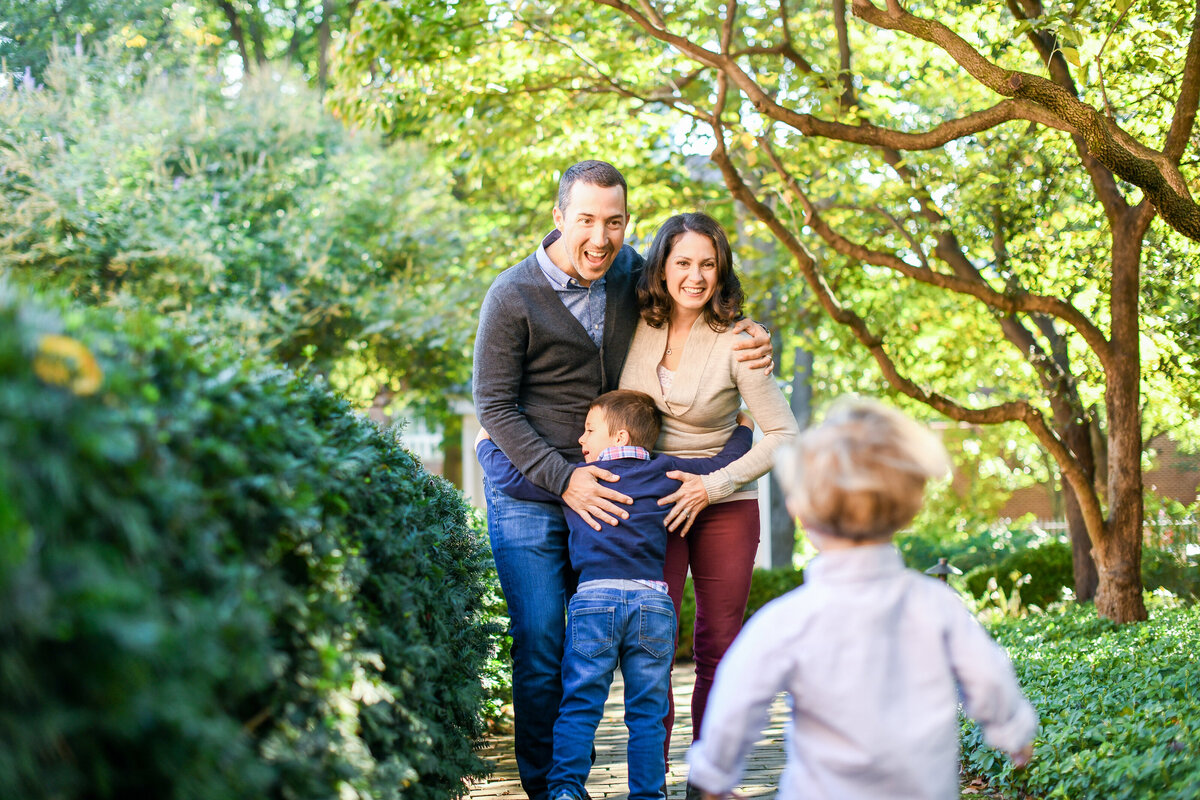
(636, 547)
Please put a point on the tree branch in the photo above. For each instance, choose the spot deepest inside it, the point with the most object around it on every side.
(1012, 411)
(847, 99)
(727, 25)
(1008, 303)
(1047, 46)
(1189, 95)
(1146, 168)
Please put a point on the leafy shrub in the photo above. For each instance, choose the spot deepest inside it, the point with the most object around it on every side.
(217, 581)
(972, 543)
(1165, 569)
(1049, 569)
(1118, 706)
(247, 211)
(765, 586)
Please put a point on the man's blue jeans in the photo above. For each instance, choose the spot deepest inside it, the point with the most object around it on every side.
(611, 622)
(529, 545)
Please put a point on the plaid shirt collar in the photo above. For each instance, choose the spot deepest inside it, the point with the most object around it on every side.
(623, 451)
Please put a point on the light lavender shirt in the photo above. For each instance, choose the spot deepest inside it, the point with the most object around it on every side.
(876, 658)
(586, 303)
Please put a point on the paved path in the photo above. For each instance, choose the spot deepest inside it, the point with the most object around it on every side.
(609, 778)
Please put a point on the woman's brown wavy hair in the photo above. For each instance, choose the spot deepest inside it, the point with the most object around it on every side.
(656, 304)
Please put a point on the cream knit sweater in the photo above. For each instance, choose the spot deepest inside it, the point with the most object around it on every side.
(700, 411)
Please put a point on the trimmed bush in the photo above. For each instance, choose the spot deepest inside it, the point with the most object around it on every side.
(1118, 705)
(218, 581)
(1049, 569)
(1163, 569)
(765, 586)
(973, 542)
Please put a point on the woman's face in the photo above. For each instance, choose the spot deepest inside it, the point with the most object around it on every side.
(691, 271)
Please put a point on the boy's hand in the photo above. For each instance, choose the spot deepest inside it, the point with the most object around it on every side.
(589, 498)
(742, 419)
(479, 437)
(690, 499)
(1021, 758)
(757, 350)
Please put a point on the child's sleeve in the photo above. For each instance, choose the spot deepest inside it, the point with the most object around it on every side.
(506, 477)
(752, 672)
(738, 445)
(991, 694)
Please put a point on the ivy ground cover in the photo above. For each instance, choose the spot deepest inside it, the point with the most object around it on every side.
(1119, 706)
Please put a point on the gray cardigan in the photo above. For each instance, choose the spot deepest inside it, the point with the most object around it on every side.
(536, 369)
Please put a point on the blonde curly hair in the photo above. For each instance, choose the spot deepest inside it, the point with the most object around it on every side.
(860, 474)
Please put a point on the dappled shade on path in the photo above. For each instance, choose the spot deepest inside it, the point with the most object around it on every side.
(609, 778)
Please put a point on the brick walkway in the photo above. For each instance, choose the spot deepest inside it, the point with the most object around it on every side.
(608, 778)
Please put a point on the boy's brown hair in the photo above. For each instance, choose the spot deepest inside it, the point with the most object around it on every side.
(861, 473)
(631, 411)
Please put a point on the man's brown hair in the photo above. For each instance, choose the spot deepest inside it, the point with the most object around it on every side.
(595, 173)
(631, 411)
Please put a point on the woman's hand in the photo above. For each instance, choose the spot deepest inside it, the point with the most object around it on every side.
(690, 499)
(479, 437)
(757, 349)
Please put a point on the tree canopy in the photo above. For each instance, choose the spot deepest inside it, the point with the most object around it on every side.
(969, 190)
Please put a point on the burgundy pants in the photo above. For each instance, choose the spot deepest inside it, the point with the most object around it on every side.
(720, 550)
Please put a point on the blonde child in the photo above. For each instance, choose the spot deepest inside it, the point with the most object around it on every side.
(876, 657)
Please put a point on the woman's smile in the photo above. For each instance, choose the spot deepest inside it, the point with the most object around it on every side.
(691, 272)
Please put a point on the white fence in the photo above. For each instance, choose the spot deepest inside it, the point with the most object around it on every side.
(1164, 534)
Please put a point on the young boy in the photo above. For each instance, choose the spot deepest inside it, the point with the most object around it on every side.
(876, 657)
(621, 613)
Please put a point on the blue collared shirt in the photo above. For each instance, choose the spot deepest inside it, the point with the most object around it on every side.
(586, 303)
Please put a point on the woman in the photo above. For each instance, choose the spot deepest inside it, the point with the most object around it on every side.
(682, 356)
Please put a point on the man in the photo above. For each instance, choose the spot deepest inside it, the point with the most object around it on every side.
(553, 334)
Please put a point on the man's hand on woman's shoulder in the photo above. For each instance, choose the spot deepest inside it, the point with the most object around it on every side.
(757, 349)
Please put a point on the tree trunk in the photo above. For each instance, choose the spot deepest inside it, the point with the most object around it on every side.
(1082, 561)
(783, 527)
(323, 40)
(452, 450)
(1077, 437)
(1119, 549)
(235, 31)
(256, 39)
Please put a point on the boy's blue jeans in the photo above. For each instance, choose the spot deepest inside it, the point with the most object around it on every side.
(613, 622)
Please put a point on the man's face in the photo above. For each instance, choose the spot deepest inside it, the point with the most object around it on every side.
(597, 437)
(593, 229)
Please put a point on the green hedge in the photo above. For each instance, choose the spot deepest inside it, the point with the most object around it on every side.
(217, 581)
(765, 586)
(1050, 571)
(1120, 714)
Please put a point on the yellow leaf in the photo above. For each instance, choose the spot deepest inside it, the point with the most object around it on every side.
(63, 361)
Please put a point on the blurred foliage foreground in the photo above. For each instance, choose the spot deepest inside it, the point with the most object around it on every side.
(217, 581)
